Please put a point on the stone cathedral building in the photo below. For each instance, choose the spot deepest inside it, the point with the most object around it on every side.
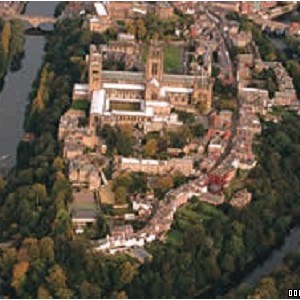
(142, 98)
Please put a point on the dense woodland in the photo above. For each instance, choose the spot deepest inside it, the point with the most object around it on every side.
(277, 284)
(207, 250)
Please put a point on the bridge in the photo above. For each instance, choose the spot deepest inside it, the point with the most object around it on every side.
(34, 21)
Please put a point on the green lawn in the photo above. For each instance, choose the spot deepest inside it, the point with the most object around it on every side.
(236, 184)
(144, 53)
(106, 194)
(173, 59)
(280, 112)
(127, 106)
(81, 105)
(175, 238)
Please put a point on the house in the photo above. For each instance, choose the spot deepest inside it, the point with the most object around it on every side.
(83, 210)
(152, 166)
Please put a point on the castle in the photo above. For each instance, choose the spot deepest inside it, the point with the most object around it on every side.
(142, 98)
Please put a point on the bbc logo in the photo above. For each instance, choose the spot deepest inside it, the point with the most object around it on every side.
(294, 293)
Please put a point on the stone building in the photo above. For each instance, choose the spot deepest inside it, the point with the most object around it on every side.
(84, 174)
(124, 97)
(156, 167)
(120, 10)
(164, 10)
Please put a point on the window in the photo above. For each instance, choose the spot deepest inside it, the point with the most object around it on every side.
(154, 69)
(156, 54)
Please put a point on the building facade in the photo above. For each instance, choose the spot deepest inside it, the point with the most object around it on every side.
(137, 97)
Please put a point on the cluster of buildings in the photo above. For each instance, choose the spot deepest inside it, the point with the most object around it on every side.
(145, 98)
(228, 149)
(205, 186)
(78, 140)
(246, 7)
(241, 39)
(8, 8)
(258, 98)
(285, 94)
(184, 165)
(142, 99)
(218, 134)
(107, 13)
(124, 49)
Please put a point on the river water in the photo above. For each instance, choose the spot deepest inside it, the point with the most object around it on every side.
(14, 96)
(291, 244)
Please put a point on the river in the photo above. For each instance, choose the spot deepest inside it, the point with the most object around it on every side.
(291, 244)
(17, 86)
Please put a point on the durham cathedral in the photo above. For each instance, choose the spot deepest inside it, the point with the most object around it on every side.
(147, 99)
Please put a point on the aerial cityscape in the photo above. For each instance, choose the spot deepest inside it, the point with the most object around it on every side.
(149, 149)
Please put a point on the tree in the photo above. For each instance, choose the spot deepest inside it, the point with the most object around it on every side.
(122, 180)
(42, 97)
(138, 183)
(120, 195)
(16, 44)
(215, 71)
(8, 258)
(150, 148)
(43, 293)
(130, 28)
(127, 272)
(272, 87)
(179, 179)
(31, 247)
(18, 276)
(119, 295)
(266, 289)
(101, 226)
(163, 185)
(181, 137)
(57, 282)
(89, 290)
(62, 223)
(123, 144)
(227, 263)
(58, 164)
(5, 38)
(47, 249)
(2, 184)
(198, 130)
(141, 29)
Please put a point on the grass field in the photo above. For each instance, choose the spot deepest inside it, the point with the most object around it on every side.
(192, 214)
(81, 105)
(127, 106)
(144, 54)
(173, 59)
(236, 184)
(106, 195)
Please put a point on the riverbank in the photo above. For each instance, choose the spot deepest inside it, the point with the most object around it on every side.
(13, 100)
(19, 70)
(12, 47)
